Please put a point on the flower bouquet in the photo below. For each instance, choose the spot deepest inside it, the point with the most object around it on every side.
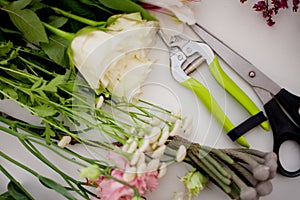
(65, 63)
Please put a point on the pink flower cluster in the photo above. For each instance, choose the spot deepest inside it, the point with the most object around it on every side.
(110, 189)
(113, 189)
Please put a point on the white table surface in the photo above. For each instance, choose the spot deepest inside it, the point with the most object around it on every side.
(274, 50)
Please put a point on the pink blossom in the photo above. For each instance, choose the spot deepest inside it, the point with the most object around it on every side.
(110, 189)
(119, 160)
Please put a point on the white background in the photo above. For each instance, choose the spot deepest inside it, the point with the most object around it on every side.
(274, 50)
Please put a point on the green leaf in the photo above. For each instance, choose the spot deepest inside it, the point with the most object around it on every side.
(56, 49)
(11, 92)
(16, 192)
(5, 30)
(92, 3)
(127, 6)
(48, 133)
(57, 187)
(37, 84)
(54, 83)
(29, 24)
(44, 110)
(57, 21)
(5, 48)
(6, 196)
(18, 5)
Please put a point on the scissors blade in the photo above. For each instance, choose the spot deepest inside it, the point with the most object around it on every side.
(258, 80)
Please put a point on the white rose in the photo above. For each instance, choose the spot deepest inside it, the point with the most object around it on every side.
(116, 59)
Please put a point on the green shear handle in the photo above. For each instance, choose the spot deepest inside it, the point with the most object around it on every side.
(234, 90)
(208, 100)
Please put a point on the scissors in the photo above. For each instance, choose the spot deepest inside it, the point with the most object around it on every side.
(282, 107)
(185, 56)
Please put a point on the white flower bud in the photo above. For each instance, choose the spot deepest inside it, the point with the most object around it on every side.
(125, 147)
(65, 140)
(129, 140)
(135, 158)
(100, 102)
(153, 165)
(176, 113)
(162, 170)
(129, 174)
(142, 159)
(154, 145)
(141, 169)
(159, 152)
(164, 136)
(154, 134)
(145, 145)
(131, 131)
(181, 153)
(141, 134)
(176, 129)
(132, 147)
(188, 123)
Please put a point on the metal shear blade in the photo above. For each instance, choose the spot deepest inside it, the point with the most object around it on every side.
(184, 52)
(281, 106)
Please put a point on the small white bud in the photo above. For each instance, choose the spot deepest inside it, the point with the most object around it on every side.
(176, 129)
(145, 145)
(141, 169)
(153, 165)
(141, 134)
(135, 158)
(65, 140)
(132, 147)
(142, 159)
(188, 123)
(176, 113)
(129, 174)
(164, 136)
(131, 131)
(154, 145)
(125, 147)
(181, 153)
(100, 102)
(162, 170)
(129, 140)
(154, 134)
(159, 152)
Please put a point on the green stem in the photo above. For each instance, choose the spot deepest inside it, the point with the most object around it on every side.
(66, 35)
(78, 18)
(3, 155)
(11, 178)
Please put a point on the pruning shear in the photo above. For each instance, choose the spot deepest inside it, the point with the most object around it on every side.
(282, 107)
(185, 56)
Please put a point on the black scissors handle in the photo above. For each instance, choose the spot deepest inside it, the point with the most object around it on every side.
(283, 128)
(291, 103)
